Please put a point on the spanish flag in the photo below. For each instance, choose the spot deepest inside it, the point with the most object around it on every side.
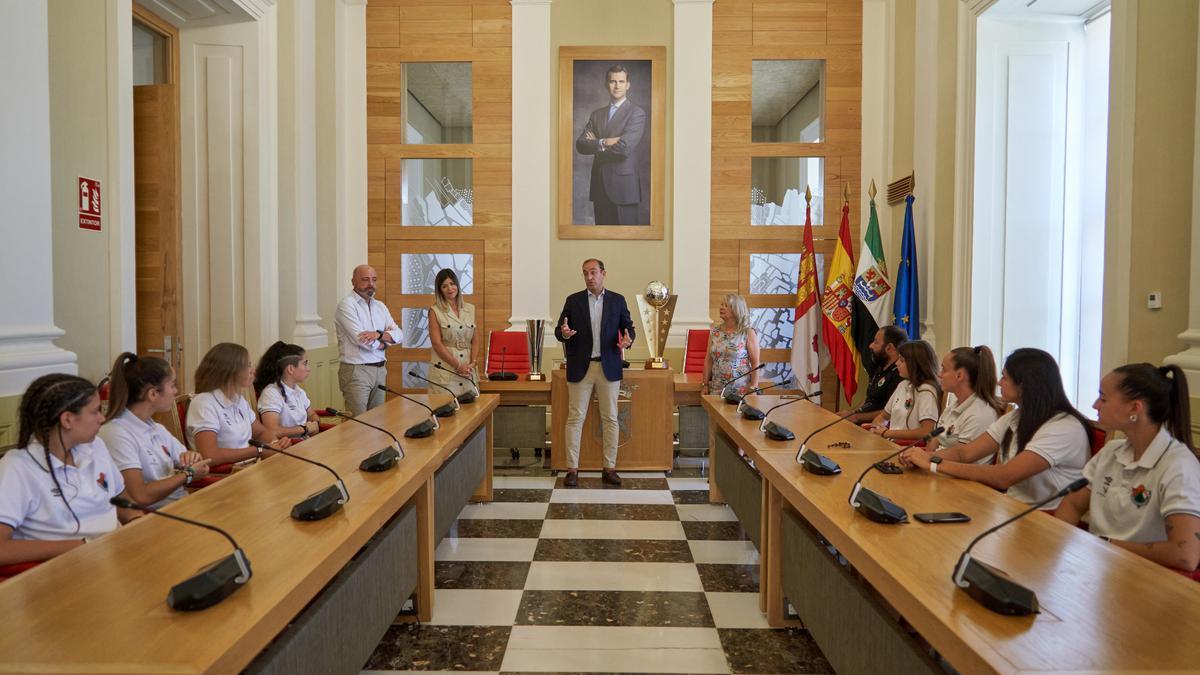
(837, 308)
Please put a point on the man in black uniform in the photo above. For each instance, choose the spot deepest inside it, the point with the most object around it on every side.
(884, 376)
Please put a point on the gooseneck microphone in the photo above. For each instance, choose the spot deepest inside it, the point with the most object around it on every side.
(815, 462)
(502, 374)
(875, 506)
(446, 409)
(320, 504)
(778, 432)
(215, 582)
(465, 397)
(420, 429)
(381, 460)
(732, 397)
(750, 412)
(992, 588)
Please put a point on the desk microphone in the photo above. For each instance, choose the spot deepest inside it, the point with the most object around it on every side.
(466, 397)
(875, 506)
(502, 374)
(992, 588)
(320, 504)
(420, 429)
(732, 397)
(777, 432)
(382, 460)
(750, 412)
(215, 582)
(446, 409)
(815, 462)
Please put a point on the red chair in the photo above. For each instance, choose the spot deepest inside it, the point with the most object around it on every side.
(508, 351)
(176, 426)
(9, 571)
(695, 351)
(1097, 437)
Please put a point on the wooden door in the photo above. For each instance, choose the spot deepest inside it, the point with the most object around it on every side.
(157, 207)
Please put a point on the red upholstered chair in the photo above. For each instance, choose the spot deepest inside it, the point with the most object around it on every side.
(695, 351)
(508, 351)
(175, 425)
(1097, 437)
(8, 571)
(1194, 575)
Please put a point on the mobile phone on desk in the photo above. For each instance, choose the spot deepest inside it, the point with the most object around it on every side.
(947, 517)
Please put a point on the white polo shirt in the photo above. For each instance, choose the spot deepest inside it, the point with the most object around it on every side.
(291, 404)
(1061, 441)
(964, 422)
(31, 505)
(232, 420)
(355, 315)
(147, 446)
(1131, 500)
(906, 410)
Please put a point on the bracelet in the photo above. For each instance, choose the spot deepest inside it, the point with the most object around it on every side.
(1105, 538)
(933, 466)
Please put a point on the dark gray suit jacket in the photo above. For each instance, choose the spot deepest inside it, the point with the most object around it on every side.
(614, 171)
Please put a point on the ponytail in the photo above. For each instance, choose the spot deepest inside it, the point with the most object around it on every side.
(272, 365)
(131, 376)
(1165, 392)
(980, 364)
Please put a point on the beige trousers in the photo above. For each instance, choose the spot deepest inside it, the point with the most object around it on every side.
(606, 397)
(360, 386)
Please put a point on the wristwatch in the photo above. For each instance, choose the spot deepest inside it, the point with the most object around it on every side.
(189, 474)
(381, 334)
(934, 462)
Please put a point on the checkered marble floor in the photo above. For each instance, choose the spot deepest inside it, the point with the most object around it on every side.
(645, 578)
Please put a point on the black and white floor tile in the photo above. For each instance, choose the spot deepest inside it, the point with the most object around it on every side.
(645, 578)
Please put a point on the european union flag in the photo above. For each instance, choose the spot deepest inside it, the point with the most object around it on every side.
(907, 305)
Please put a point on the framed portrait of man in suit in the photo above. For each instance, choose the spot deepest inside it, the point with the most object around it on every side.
(610, 142)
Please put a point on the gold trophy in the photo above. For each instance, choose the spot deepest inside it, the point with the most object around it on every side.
(535, 330)
(656, 305)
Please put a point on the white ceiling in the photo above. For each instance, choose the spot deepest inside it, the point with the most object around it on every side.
(195, 13)
(779, 85)
(1080, 9)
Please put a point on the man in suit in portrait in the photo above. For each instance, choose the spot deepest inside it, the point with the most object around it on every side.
(612, 136)
(594, 328)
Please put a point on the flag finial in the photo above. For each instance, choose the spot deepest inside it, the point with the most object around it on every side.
(872, 191)
(808, 194)
(846, 192)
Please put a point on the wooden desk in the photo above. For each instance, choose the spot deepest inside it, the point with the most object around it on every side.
(523, 392)
(101, 608)
(643, 415)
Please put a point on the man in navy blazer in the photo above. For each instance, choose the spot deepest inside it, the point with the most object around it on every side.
(594, 327)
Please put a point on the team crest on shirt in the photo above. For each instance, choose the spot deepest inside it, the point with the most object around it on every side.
(908, 403)
(102, 480)
(1140, 496)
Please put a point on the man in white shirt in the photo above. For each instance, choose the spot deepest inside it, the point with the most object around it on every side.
(365, 329)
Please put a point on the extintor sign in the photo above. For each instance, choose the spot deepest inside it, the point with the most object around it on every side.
(89, 204)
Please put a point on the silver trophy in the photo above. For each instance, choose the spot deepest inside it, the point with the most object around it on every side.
(535, 331)
(657, 304)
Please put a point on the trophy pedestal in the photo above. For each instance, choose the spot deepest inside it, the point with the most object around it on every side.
(537, 377)
(657, 363)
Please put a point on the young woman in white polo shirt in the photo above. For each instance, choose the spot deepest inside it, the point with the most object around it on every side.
(912, 410)
(220, 422)
(1043, 444)
(283, 407)
(154, 464)
(968, 377)
(55, 486)
(1145, 488)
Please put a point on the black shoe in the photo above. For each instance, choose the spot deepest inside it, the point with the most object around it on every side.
(611, 477)
(571, 479)
(537, 452)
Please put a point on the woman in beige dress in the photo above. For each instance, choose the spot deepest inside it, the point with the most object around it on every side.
(452, 336)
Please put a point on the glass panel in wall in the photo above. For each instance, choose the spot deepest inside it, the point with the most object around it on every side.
(779, 273)
(422, 368)
(777, 186)
(788, 101)
(150, 61)
(778, 372)
(414, 322)
(774, 326)
(438, 103)
(418, 270)
(436, 192)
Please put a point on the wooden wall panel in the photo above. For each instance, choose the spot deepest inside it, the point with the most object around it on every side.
(478, 31)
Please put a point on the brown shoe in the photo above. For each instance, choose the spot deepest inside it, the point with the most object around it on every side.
(611, 477)
(571, 479)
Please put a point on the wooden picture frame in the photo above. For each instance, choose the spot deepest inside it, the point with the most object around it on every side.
(582, 102)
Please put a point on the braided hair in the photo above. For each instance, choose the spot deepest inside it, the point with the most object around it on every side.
(272, 365)
(131, 377)
(42, 406)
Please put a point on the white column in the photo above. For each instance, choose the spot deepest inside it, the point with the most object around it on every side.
(532, 70)
(27, 331)
(1189, 359)
(925, 138)
(350, 121)
(298, 176)
(691, 207)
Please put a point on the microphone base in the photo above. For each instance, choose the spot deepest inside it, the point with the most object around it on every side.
(776, 432)
(879, 509)
(446, 410)
(994, 589)
(468, 397)
(503, 376)
(319, 505)
(816, 463)
(419, 430)
(212, 585)
(751, 413)
(380, 461)
(732, 399)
